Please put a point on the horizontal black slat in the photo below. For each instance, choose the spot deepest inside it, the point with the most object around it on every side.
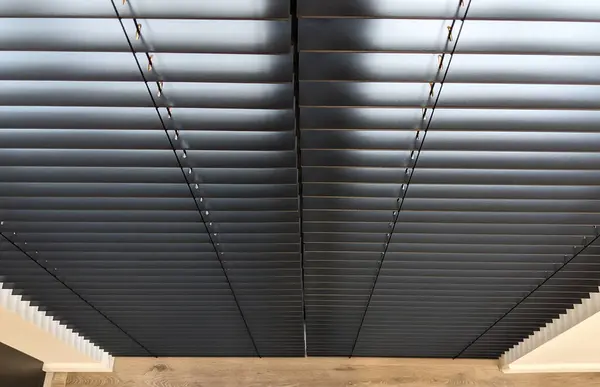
(145, 158)
(134, 94)
(143, 139)
(429, 36)
(166, 35)
(455, 95)
(584, 10)
(177, 9)
(162, 178)
(453, 217)
(473, 68)
(119, 66)
(117, 117)
(451, 119)
(459, 141)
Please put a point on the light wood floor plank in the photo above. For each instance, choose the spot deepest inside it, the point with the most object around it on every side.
(318, 372)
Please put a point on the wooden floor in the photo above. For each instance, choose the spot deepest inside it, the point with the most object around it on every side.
(315, 372)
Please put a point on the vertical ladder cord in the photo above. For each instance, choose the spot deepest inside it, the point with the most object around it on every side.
(296, 76)
(182, 169)
(416, 159)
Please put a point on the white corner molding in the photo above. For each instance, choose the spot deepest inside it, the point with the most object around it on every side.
(570, 343)
(29, 330)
